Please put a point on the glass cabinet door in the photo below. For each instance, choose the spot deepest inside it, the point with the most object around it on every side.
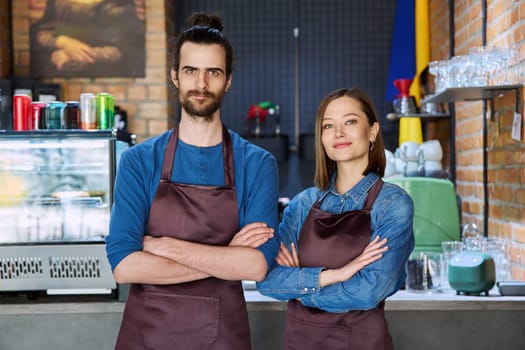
(56, 187)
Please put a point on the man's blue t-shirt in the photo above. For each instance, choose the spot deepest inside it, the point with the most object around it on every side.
(138, 176)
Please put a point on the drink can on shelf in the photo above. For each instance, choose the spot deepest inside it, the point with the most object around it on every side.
(88, 111)
(105, 111)
(21, 110)
(55, 115)
(72, 115)
(38, 116)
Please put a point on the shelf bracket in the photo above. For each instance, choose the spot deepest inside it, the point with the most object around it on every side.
(492, 113)
(517, 99)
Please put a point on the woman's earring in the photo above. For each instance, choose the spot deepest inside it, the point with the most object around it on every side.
(371, 146)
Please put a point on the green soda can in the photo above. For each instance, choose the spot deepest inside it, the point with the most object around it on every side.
(105, 111)
(55, 115)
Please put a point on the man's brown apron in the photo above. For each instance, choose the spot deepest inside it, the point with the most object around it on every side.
(332, 240)
(204, 314)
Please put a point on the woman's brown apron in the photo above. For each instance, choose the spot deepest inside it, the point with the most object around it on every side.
(332, 240)
(204, 314)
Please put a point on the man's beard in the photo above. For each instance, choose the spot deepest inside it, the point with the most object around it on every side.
(205, 109)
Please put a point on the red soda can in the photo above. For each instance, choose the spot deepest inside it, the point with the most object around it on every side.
(21, 110)
(37, 119)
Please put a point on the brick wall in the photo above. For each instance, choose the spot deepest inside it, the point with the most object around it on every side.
(147, 100)
(506, 158)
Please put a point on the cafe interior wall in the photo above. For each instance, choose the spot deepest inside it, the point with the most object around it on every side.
(147, 102)
(505, 26)
(146, 99)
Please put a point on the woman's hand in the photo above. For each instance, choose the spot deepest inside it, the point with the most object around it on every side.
(59, 59)
(372, 252)
(287, 258)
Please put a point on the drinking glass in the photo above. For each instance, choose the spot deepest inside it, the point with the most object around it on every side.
(497, 248)
(436, 68)
(424, 272)
(480, 59)
(471, 236)
(450, 248)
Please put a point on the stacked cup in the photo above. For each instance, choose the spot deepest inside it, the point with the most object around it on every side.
(431, 153)
(407, 159)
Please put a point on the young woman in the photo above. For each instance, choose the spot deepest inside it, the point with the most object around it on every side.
(344, 242)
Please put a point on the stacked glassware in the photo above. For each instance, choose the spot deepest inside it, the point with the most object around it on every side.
(482, 66)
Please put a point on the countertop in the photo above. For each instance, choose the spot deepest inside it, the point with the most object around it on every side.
(415, 321)
(406, 301)
(401, 301)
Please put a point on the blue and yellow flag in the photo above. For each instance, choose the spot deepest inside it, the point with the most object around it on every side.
(410, 51)
(422, 44)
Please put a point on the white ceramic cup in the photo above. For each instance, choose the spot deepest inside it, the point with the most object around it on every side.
(433, 165)
(388, 155)
(390, 168)
(400, 166)
(431, 150)
(412, 167)
(408, 151)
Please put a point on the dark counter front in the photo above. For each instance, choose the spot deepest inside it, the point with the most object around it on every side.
(417, 321)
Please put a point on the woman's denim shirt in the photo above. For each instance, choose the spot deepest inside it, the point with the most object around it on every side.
(391, 217)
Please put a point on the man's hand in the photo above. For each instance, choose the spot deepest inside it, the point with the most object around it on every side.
(252, 235)
(155, 245)
(215, 260)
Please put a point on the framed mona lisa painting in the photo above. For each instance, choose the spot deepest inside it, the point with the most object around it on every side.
(87, 38)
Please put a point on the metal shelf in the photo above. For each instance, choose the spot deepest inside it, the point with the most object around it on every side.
(396, 116)
(478, 93)
(471, 93)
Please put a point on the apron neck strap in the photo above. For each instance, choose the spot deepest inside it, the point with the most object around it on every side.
(317, 203)
(169, 155)
(227, 150)
(372, 194)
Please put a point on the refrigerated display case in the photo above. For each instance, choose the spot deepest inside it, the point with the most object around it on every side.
(56, 189)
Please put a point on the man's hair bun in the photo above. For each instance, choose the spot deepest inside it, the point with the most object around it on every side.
(205, 20)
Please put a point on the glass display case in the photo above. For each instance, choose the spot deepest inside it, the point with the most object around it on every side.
(56, 192)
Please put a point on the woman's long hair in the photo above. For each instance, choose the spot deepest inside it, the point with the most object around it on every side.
(324, 166)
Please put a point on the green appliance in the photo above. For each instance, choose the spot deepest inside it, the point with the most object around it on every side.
(472, 273)
(436, 212)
